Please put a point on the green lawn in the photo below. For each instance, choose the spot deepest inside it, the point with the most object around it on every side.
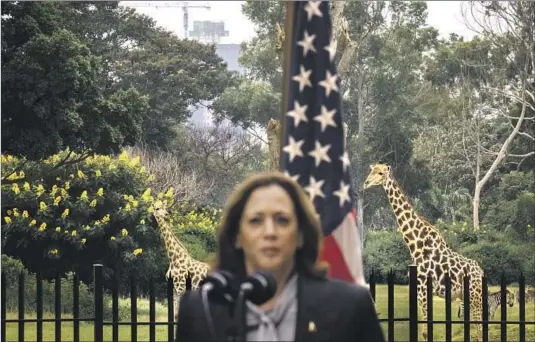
(401, 310)
(401, 329)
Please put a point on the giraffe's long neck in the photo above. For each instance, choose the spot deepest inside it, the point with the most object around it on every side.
(406, 217)
(175, 251)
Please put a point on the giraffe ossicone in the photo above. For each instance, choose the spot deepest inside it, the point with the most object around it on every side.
(428, 250)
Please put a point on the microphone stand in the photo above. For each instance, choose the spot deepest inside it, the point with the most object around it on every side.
(207, 311)
(239, 317)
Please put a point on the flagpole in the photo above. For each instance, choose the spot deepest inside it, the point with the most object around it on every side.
(286, 70)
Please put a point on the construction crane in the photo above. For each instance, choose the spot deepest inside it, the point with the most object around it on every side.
(156, 4)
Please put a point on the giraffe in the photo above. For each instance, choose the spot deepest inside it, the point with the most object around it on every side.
(428, 250)
(180, 262)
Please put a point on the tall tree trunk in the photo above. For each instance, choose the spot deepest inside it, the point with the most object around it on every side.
(273, 133)
(360, 135)
(500, 156)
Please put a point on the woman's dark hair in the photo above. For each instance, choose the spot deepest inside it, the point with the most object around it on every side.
(231, 259)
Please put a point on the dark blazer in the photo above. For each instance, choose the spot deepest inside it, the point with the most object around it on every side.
(338, 311)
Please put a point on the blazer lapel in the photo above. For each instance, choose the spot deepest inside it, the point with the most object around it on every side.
(317, 315)
(306, 322)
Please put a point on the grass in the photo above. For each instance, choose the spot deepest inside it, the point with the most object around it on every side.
(401, 329)
(401, 310)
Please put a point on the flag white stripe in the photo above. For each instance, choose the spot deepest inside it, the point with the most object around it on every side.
(348, 240)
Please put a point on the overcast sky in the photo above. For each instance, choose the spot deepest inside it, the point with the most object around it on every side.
(443, 15)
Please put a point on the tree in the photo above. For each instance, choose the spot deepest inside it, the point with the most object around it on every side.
(489, 77)
(169, 172)
(519, 18)
(95, 77)
(97, 211)
(51, 94)
(175, 75)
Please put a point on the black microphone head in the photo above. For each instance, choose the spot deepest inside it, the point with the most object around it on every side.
(259, 287)
(218, 279)
(219, 284)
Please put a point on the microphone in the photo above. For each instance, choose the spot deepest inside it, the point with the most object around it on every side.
(219, 285)
(259, 287)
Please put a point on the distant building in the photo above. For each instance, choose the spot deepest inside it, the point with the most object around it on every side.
(208, 31)
(230, 54)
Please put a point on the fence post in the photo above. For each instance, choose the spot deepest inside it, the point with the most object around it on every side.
(99, 303)
(485, 309)
(391, 301)
(115, 306)
(39, 305)
(466, 292)
(76, 306)
(372, 284)
(413, 304)
(4, 307)
(429, 307)
(447, 285)
(170, 309)
(522, 308)
(503, 317)
(133, 307)
(152, 310)
(21, 306)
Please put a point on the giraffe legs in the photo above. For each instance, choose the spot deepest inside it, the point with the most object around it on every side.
(422, 301)
(176, 305)
(180, 288)
(476, 314)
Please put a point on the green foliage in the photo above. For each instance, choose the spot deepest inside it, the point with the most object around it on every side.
(97, 211)
(196, 229)
(384, 250)
(496, 252)
(511, 203)
(174, 74)
(97, 76)
(250, 102)
(12, 269)
(53, 96)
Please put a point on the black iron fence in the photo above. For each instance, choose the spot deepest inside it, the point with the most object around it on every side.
(99, 322)
(448, 322)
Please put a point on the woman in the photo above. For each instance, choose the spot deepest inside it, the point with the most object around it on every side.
(270, 225)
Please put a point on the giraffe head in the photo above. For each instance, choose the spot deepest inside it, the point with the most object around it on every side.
(378, 175)
(160, 211)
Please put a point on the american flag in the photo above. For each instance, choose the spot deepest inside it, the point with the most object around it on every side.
(313, 142)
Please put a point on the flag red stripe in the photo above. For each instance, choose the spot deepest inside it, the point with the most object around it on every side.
(333, 255)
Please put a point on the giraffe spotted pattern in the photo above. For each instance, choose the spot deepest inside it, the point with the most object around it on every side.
(180, 262)
(429, 251)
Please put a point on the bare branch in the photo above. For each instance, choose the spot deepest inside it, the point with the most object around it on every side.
(168, 172)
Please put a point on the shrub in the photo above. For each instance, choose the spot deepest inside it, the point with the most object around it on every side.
(94, 211)
(384, 250)
(12, 269)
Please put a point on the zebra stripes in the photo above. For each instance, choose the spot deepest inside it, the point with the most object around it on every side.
(494, 300)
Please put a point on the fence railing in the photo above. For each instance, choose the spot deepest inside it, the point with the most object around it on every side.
(99, 322)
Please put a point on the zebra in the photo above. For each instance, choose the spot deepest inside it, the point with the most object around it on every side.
(494, 300)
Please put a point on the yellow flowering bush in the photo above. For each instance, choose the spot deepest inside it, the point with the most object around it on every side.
(196, 217)
(97, 210)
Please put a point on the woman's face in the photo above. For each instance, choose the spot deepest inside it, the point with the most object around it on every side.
(269, 234)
